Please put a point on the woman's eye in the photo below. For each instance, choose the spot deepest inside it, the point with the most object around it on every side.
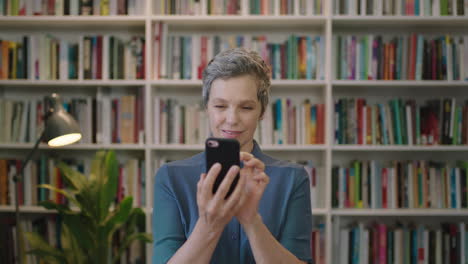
(247, 108)
(219, 106)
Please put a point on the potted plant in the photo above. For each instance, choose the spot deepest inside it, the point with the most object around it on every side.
(87, 232)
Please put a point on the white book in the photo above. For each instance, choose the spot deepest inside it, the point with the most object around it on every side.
(59, 5)
(362, 245)
(352, 10)
(112, 7)
(131, 7)
(448, 40)
(32, 121)
(344, 245)
(310, 7)
(438, 249)
(164, 48)
(436, 7)
(105, 57)
(365, 244)
(378, 8)
(33, 57)
(156, 48)
(358, 65)
(398, 7)
(63, 70)
(74, 7)
(409, 122)
(397, 246)
(24, 122)
(448, 186)
(422, 6)
(341, 188)
(465, 55)
(196, 51)
(454, 7)
(363, 7)
(296, 8)
(37, 7)
(157, 119)
(177, 122)
(106, 116)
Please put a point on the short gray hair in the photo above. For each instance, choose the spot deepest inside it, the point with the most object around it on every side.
(237, 62)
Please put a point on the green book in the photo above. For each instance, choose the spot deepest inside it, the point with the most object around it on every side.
(397, 127)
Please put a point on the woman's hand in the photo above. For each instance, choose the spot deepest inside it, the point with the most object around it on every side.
(214, 210)
(256, 182)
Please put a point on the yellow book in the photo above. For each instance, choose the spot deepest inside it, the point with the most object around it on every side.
(14, 60)
(104, 4)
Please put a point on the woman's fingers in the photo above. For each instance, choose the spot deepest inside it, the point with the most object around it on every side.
(255, 163)
(237, 195)
(208, 181)
(226, 183)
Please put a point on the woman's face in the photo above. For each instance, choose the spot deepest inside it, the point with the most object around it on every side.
(234, 110)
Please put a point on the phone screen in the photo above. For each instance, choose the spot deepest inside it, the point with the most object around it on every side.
(226, 152)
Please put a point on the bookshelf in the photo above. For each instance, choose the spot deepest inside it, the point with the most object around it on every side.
(324, 156)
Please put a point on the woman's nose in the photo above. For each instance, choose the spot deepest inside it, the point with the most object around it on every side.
(232, 116)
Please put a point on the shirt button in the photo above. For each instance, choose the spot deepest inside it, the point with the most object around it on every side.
(233, 236)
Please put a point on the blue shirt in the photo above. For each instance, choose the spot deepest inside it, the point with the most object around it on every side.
(284, 207)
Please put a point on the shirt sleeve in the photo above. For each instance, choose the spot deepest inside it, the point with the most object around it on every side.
(168, 230)
(298, 222)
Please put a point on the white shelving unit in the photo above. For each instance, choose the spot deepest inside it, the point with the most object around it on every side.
(328, 24)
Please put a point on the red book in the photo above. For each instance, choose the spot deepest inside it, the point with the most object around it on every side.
(382, 243)
(203, 54)
(412, 67)
(99, 58)
(320, 123)
(384, 187)
(360, 124)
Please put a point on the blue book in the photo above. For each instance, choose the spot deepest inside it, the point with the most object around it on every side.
(417, 7)
(187, 58)
(310, 58)
(278, 122)
(453, 187)
(419, 57)
(383, 125)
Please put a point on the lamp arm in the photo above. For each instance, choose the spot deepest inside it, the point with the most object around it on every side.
(18, 178)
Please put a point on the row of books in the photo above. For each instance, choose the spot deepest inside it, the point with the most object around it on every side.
(402, 244)
(401, 122)
(131, 180)
(23, 119)
(404, 57)
(71, 7)
(233, 7)
(185, 57)
(401, 7)
(47, 226)
(285, 122)
(318, 243)
(400, 184)
(285, 7)
(46, 57)
(104, 120)
(50, 229)
(317, 183)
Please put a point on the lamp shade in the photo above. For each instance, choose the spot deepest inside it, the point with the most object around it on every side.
(60, 127)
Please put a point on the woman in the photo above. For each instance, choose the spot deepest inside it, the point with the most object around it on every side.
(267, 219)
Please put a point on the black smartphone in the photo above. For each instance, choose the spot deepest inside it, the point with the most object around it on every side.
(226, 151)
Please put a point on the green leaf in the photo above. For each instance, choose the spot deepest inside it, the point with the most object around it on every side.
(71, 249)
(73, 179)
(61, 208)
(118, 217)
(83, 229)
(110, 180)
(41, 248)
(69, 196)
(129, 239)
(96, 166)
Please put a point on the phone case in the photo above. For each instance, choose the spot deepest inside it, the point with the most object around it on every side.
(226, 152)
